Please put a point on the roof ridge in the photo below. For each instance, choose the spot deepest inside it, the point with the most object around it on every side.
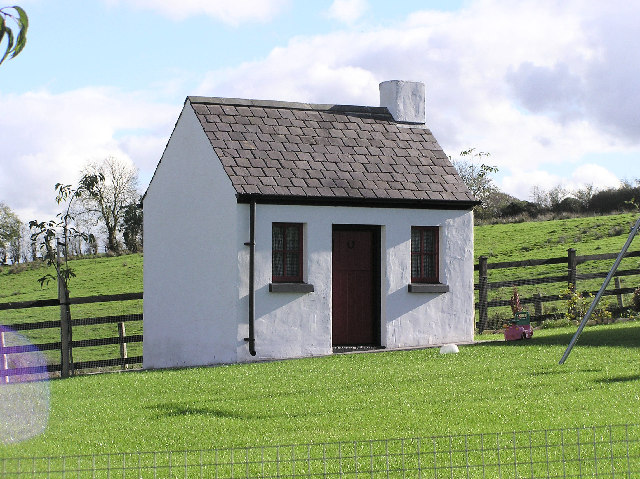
(372, 110)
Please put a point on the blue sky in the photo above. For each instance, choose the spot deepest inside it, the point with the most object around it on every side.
(548, 87)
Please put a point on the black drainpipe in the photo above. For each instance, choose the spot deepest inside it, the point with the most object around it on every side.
(252, 292)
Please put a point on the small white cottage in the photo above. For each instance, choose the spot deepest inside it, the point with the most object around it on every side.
(283, 230)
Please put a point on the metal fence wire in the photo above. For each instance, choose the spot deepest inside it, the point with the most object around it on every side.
(583, 452)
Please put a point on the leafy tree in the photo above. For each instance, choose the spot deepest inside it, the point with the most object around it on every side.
(584, 195)
(477, 176)
(108, 197)
(15, 43)
(10, 234)
(132, 227)
(47, 233)
(519, 208)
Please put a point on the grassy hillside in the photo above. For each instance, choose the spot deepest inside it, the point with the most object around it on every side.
(545, 239)
(94, 276)
(552, 239)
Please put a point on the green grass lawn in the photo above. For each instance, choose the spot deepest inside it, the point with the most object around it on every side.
(489, 387)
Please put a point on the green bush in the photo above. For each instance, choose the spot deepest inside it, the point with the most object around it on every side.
(636, 299)
(558, 323)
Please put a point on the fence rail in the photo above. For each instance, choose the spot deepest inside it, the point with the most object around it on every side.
(582, 452)
(570, 281)
(66, 345)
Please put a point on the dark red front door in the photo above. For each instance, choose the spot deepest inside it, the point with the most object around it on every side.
(353, 287)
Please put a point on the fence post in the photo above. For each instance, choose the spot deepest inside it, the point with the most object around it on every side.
(66, 361)
(618, 284)
(4, 361)
(572, 269)
(537, 304)
(482, 293)
(123, 345)
(572, 283)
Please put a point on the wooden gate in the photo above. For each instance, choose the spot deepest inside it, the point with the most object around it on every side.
(355, 285)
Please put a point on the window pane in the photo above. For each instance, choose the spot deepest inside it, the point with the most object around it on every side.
(429, 241)
(293, 239)
(415, 240)
(278, 238)
(424, 253)
(415, 266)
(278, 264)
(429, 266)
(292, 264)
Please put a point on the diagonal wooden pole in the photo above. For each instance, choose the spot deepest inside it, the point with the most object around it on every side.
(623, 251)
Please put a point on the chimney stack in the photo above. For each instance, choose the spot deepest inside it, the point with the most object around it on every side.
(404, 100)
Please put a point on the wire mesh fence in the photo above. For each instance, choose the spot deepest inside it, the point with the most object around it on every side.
(584, 452)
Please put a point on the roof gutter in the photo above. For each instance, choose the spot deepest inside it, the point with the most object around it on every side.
(252, 287)
(362, 202)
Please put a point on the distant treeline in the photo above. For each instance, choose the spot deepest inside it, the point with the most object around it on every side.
(559, 201)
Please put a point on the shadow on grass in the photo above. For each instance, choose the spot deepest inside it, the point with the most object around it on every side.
(178, 410)
(167, 410)
(621, 379)
(625, 337)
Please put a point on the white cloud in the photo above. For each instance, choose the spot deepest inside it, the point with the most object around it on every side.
(347, 11)
(537, 83)
(595, 175)
(520, 184)
(597, 80)
(48, 138)
(505, 77)
(231, 12)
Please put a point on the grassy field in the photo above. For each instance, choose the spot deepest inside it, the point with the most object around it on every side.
(494, 386)
(546, 239)
(94, 276)
(490, 387)
(500, 242)
(552, 239)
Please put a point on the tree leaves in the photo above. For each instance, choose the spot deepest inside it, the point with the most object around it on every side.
(55, 250)
(15, 44)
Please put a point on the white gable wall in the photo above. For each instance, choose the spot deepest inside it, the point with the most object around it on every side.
(190, 267)
(297, 325)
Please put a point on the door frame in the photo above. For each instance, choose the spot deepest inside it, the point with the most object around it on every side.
(376, 252)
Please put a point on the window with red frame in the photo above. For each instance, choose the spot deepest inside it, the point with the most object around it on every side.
(286, 254)
(424, 254)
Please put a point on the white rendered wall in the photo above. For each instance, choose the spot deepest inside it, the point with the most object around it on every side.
(190, 264)
(297, 325)
(420, 319)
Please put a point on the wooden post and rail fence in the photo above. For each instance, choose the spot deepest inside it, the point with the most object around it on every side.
(65, 324)
(66, 345)
(571, 279)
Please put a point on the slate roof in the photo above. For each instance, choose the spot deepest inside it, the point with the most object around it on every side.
(327, 153)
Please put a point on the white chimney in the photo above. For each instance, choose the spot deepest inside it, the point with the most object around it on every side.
(404, 100)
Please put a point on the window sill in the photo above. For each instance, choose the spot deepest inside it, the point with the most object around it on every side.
(290, 288)
(428, 288)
